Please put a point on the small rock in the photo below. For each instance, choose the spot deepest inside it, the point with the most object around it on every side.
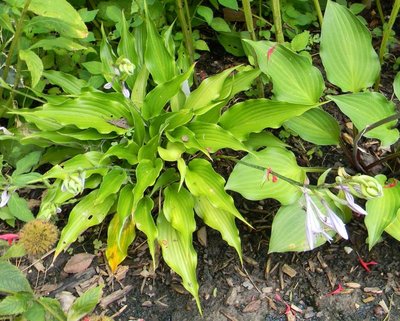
(248, 285)
(232, 296)
(267, 289)
(348, 249)
(147, 304)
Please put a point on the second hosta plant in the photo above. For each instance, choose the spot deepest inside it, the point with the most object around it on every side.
(311, 214)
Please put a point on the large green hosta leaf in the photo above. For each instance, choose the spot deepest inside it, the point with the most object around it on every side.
(202, 180)
(346, 50)
(178, 209)
(83, 216)
(382, 210)
(253, 184)
(63, 14)
(253, 115)
(219, 220)
(209, 93)
(212, 137)
(367, 108)
(145, 223)
(289, 230)
(316, 126)
(179, 254)
(90, 110)
(156, 99)
(294, 78)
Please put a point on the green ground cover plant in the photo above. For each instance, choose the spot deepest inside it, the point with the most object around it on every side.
(127, 137)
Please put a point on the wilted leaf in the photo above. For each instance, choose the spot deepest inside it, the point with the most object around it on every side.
(78, 263)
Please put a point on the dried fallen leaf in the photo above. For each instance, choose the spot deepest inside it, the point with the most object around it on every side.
(78, 263)
(202, 236)
(66, 300)
(353, 285)
(384, 306)
(288, 270)
(368, 299)
(253, 306)
(373, 290)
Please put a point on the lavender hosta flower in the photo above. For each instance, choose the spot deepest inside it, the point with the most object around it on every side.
(108, 85)
(334, 221)
(314, 218)
(5, 197)
(350, 201)
(6, 131)
(125, 91)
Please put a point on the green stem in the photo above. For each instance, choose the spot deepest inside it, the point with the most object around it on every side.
(380, 11)
(186, 29)
(366, 130)
(319, 12)
(282, 177)
(14, 43)
(386, 35)
(249, 19)
(276, 12)
(250, 28)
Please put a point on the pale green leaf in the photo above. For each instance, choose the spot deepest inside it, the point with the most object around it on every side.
(300, 41)
(178, 209)
(202, 180)
(219, 220)
(382, 210)
(220, 25)
(294, 78)
(289, 231)
(27, 162)
(70, 84)
(263, 139)
(231, 4)
(254, 115)
(63, 11)
(157, 98)
(159, 62)
(85, 304)
(346, 50)
(147, 172)
(19, 208)
(179, 254)
(34, 64)
(83, 216)
(253, 183)
(12, 280)
(206, 95)
(213, 137)
(396, 85)
(59, 42)
(206, 13)
(111, 184)
(145, 223)
(393, 228)
(316, 126)
(53, 308)
(15, 304)
(95, 109)
(367, 108)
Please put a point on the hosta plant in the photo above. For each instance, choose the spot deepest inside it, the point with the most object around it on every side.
(308, 210)
(140, 151)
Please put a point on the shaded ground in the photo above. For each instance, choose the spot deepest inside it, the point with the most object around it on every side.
(259, 290)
